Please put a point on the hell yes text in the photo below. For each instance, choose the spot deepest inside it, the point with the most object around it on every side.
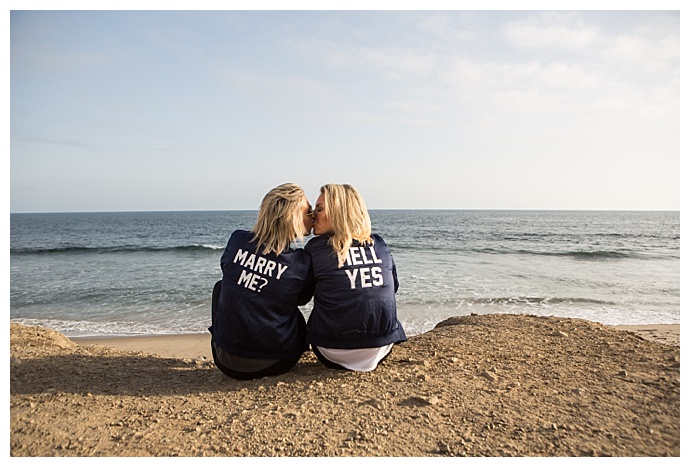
(366, 275)
(255, 268)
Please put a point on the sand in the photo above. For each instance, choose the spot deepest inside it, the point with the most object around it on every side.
(481, 385)
(175, 346)
(199, 345)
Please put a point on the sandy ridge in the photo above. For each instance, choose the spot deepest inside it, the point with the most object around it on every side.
(485, 385)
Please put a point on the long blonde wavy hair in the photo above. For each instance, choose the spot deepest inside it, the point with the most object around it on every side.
(348, 216)
(280, 220)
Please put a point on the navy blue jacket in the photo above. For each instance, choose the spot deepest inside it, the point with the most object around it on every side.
(258, 314)
(354, 306)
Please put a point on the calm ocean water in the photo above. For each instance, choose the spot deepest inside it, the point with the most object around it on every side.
(135, 273)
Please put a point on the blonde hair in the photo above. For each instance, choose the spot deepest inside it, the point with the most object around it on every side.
(280, 220)
(348, 216)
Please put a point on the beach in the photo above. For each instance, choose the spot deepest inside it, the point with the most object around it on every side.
(479, 385)
(199, 345)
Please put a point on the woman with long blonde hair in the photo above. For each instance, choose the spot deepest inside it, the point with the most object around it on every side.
(353, 324)
(257, 328)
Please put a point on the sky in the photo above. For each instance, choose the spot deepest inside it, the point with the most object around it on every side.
(131, 110)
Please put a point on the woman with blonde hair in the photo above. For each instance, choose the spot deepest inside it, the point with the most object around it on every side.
(257, 328)
(354, 322)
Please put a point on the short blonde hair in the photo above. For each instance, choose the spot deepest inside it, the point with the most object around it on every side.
(348, 216)
(280, 220)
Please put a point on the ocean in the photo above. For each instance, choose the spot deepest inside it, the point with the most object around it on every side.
(146, 273)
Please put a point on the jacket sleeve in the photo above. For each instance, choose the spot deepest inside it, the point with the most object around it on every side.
(394, 269)
(307, 291)
(395, 276)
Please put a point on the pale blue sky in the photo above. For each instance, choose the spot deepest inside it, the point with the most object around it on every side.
(186, 110)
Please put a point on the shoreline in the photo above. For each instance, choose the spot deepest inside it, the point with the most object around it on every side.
(198, 345)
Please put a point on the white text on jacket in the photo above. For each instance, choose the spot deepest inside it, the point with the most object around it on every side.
(365, 276)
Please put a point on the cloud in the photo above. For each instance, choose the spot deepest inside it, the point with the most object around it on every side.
(551, 31)
(391, 62)
(641, 54)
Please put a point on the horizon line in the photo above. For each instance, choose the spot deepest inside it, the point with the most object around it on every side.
(118, 211)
